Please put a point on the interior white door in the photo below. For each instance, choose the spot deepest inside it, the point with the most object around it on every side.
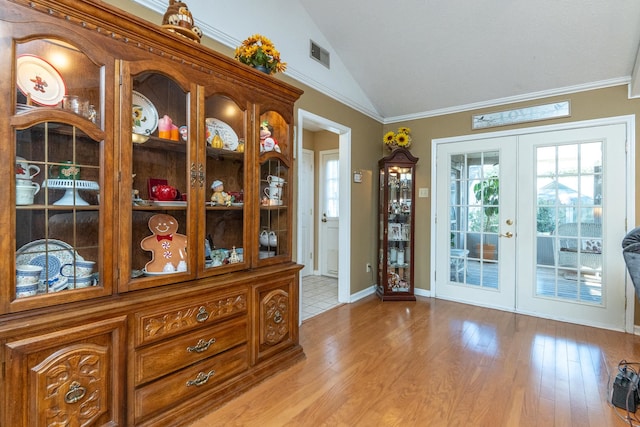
(560, 219)
(329, 232)
(476, 235)
(571, 190)
(305, 200)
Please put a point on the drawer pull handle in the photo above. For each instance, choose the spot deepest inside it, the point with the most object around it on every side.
(201, 346)
(75, 393)
(201, 379)
(277, 317)
(202, 315)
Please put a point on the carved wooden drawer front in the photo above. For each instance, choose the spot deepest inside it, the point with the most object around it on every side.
(189, 382)
(167, 322)
(165, 357)
(68, 375)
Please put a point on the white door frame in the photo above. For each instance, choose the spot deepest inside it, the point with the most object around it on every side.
(306, 213)
(628, 121)
(344, 221)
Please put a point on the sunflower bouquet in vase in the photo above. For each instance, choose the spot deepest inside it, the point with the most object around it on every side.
(259, 52)
(400, 138)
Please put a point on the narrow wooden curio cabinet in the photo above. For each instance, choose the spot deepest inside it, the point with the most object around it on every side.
(396, 213)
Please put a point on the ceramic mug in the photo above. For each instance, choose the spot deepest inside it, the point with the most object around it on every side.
(275, 181)
(24, 169)
(274, 193)
(27, 280)
(26, 193)
(82, 282)
(82, 269)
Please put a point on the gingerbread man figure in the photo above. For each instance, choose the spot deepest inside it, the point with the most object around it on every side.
(168, 248)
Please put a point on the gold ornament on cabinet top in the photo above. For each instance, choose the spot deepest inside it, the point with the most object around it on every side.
(401, 138)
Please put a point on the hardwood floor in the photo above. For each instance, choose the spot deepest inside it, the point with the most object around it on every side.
(438, 363)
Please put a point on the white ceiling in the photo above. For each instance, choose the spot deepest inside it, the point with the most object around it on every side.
(403, 59)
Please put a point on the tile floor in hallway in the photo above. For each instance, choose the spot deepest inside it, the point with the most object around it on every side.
(319, 294)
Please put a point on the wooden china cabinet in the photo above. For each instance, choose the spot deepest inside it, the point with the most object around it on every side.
(154, 302)
(396, 212)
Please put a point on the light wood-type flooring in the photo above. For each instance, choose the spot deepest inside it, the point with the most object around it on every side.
(438, 363)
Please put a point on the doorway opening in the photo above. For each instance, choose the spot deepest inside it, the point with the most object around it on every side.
(305, 240)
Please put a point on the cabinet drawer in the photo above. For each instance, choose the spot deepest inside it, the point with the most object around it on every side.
(183, 385)
(165, 357)
(174, 320)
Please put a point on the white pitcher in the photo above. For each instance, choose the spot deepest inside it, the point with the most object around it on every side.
(264, 238)
(273, 239)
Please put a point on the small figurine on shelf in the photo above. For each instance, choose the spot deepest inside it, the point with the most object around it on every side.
(184, 133)
(219, 196)
(233, 258)
(267, 142)
(168, 248)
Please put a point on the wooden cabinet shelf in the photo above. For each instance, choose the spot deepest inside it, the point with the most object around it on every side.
(121, 289)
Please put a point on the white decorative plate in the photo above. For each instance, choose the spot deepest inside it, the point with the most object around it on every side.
(51, 255)
(38, 78)
(228, 135)
(144, 116)
(169, 203)
(158, 273)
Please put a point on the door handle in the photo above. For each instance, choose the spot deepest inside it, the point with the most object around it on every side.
(324, 217)
(508, 235)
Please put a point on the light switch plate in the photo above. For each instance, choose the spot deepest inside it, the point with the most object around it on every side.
(423, 192)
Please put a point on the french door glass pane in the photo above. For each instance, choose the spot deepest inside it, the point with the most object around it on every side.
(569, 222)
(474, 219)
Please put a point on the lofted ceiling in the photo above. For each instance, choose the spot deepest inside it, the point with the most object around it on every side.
(419, 56)
(403, 59)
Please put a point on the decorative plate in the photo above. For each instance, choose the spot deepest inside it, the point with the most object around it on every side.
(144, 116)
(51, 255)
(39, 79)
(158, 273)
(228, 135)
(169, 203)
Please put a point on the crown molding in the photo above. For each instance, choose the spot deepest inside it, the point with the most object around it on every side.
(511, 99)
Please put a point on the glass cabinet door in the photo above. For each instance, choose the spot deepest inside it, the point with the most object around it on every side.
(224, 163)
(58, 175)
(398, 236)
(274, 234)
(159, 176)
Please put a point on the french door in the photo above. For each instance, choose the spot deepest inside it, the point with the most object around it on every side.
(533, 223)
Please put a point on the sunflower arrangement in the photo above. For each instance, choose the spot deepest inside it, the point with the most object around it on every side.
(400, 138)
(259, 51)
